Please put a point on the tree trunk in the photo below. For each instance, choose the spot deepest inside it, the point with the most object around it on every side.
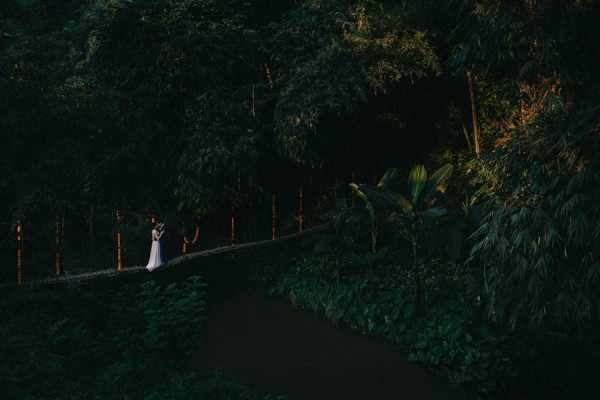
(473, 111)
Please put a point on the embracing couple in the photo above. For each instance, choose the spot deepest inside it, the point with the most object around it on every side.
(157, 249)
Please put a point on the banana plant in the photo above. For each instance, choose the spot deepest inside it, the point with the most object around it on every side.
(413, 207)
(343, 222)
(384, 183)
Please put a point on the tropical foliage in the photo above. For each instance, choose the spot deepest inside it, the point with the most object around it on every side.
(538, 241)
(450, 337)
(198, 108)
(412, 209)
(60, 350)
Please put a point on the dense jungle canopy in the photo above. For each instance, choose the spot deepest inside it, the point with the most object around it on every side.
(190, 107)
(161, 103)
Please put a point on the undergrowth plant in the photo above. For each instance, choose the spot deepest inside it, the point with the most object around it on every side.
(51, 350)
(453, 337)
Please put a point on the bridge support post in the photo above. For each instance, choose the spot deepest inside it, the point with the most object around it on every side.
(19, 252)
(119, 260)
(335, 189)
(232, 225)
(57, 243)
(273, 215)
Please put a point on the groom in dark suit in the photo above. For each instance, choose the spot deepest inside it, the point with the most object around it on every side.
(161, 242)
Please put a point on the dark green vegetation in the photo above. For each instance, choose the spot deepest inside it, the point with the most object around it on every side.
(54, 349)
(189, 108)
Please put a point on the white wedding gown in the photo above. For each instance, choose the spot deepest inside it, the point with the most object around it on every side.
(155, 256)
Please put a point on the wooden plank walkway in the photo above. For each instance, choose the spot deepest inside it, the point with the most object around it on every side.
(111, 272)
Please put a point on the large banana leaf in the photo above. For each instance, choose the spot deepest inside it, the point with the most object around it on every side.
(371, 210)
(433, 212)
(438, 178)
(389, 178)
(416, 182)
(363, 196)
(387, 198)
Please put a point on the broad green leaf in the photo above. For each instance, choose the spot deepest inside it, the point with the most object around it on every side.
(406, 205)
(371, 210)
(363, 196)
(388, 178)
(416, 182)
(438, 178)
(387, 198)
(433, 212)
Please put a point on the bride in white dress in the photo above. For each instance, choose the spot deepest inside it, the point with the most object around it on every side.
(155, 256)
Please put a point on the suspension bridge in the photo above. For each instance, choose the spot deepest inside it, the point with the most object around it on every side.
(114, 271)
(119, 267)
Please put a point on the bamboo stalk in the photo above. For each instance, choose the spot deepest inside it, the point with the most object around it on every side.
(353, 195)
(464, 128)
(473, 111)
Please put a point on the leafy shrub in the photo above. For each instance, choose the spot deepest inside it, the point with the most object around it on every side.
(456, 339)
(163, 322)
(221, 388)
(451, 336)
(312, 294)
(48, 353)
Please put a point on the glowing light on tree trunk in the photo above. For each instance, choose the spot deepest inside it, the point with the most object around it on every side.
(186, 241)
(269, 78)
(19, 252)
(57, 242)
